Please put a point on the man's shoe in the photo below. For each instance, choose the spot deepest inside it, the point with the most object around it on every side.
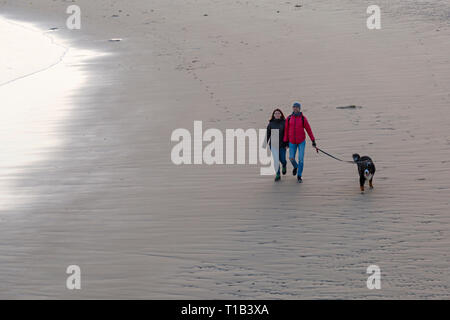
(294, 172)
(284, 170)
(299, 179)
(277, 178)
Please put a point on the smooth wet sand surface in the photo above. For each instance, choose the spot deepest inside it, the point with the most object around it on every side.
(110, 200)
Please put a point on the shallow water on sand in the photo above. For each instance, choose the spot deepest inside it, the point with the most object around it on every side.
(36, 84)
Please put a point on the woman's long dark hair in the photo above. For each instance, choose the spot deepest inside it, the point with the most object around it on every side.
(273, 115)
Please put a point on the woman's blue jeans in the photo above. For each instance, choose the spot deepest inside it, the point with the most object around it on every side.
(279, 155)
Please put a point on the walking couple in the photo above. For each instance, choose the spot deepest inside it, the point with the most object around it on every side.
(292, 135)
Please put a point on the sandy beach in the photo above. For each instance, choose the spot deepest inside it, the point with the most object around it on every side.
(108, 198)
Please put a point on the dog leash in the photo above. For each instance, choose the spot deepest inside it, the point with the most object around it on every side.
(333, 156)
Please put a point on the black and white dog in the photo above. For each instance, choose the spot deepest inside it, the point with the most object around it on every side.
(366, 170)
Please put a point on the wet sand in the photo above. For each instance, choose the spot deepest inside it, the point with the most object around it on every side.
(110, 200)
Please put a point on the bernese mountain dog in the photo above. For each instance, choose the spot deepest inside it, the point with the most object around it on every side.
(366, 170)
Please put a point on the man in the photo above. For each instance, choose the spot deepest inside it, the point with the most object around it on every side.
(294, 133)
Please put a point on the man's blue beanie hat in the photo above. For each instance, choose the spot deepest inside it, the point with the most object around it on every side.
(297, 105)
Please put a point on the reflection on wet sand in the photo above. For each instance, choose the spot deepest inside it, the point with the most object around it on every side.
(36, 83)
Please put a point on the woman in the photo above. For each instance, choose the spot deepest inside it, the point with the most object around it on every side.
(277, 121)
